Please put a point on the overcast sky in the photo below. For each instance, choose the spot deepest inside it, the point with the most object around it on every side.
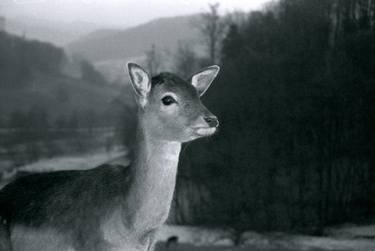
(116, 12)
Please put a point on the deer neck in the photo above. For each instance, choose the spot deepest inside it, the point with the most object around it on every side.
(153, 181)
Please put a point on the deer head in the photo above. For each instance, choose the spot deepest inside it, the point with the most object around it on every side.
(170, 108)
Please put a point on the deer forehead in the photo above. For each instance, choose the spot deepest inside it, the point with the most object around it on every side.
(183, 90)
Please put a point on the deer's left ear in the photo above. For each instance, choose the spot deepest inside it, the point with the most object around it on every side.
(140, 80)
(203, 79)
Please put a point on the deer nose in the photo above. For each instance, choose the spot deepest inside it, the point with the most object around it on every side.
(212, 121)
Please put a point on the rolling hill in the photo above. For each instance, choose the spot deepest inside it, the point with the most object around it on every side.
(112, 44)
(32, 75)
(58, 33)
(61, 96)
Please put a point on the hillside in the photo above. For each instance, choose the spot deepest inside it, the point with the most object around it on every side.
(164, 33)
(31, 76)
(60, 95)
(58, 33)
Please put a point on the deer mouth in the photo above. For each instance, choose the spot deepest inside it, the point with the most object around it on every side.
(205, 131)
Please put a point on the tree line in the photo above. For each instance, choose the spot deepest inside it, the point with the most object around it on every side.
(23, 63)
(295, 99)
(21, 60)
(37, 125)
(27, 136)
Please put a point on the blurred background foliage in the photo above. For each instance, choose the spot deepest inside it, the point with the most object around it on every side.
(295, 98)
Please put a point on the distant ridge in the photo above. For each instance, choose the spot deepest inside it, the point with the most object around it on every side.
(39, 79)
(112, 44)
(58, 33)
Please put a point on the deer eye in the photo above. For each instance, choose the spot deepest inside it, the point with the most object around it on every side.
(168, 100)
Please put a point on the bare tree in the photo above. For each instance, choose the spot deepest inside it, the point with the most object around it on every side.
(212, 29)
(185, 60)
(238, 18)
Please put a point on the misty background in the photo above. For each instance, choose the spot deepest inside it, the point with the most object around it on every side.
(292, 167)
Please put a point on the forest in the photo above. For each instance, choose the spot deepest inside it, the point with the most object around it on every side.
(295, 99)
(46, 108)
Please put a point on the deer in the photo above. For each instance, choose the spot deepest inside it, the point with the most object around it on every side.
(113, 207)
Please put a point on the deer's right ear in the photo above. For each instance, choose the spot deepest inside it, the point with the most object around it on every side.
(140, 80)
(203, 79)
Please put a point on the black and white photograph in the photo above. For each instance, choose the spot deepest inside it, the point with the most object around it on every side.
(187, 125)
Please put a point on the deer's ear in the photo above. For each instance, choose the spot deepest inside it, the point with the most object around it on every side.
(203, 79)
(140, 80)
